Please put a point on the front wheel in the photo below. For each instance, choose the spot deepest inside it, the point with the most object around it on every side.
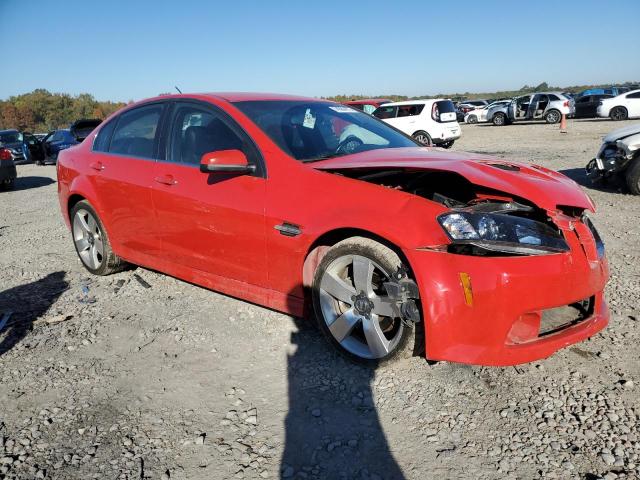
(552, 116)
(472, 119)
(352, 307)
(91, 241)
(423, 138)
(632, 176)
(499, 119)
(619, 113)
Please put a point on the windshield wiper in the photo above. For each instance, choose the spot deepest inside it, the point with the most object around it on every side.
(326, 156)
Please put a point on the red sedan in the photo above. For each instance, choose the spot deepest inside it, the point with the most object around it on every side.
(288, 202)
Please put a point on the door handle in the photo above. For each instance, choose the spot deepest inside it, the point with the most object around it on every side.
(97, 166)
(166, 180)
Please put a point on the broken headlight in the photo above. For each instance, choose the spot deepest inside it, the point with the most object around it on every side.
(596, 236)
(500, 233)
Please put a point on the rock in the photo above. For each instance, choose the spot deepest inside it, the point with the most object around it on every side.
(316, 412)
(607, 458)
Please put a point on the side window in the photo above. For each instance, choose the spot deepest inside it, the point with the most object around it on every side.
(359, 106)
(410, 110)
(196, 131)
(385, 112)
(135, 132)
(634, 95)
(101, 143)
(553, 97)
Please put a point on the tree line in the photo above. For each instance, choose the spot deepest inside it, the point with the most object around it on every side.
(43, 111)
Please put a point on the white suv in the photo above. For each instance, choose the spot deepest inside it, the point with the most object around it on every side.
(430, 122)
(626, 105)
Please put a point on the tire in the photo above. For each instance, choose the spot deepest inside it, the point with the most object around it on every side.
(374, 340)
(618, 113)
(423, 138)
(91, 241)
(448, 144)
(7, 184)
(632, 176)
(472, 119)
(553, 116)
(499, 119)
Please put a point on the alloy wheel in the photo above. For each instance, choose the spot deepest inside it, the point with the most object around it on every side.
(356, 308)
(88, 239)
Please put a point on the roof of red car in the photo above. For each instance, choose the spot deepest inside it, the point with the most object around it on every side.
(366, 100)
(251, 96)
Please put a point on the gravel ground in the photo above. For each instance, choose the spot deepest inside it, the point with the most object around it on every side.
(139, 375)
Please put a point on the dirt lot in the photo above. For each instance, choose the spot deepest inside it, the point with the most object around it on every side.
(139, 375)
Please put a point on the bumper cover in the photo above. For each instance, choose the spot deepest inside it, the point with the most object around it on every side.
(7, 172)
(509, 295)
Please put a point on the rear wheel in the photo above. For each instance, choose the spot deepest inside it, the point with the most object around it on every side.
(352, 307)
(619, 113)
(552, 116)
(8, 184)
(499, 119)
(632, 176)
(91, 241)
(423, 138)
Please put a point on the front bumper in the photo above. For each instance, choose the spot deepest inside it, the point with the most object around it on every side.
(509, 294)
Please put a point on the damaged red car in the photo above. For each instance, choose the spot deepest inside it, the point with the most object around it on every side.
(309, 206)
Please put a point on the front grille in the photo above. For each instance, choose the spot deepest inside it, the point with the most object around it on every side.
(557, 319)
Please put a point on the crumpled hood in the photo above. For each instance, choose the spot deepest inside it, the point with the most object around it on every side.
(543, 187)
(623, 132)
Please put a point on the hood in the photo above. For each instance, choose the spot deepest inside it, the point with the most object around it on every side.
(543, 187)
(622, 133)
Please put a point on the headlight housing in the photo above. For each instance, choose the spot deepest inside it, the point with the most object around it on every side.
(596, 236)
(501, 233)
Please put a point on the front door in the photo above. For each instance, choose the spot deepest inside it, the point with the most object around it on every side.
(210, 222)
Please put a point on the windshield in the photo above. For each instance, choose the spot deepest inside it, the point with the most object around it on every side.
(10, 137)
(310, 131)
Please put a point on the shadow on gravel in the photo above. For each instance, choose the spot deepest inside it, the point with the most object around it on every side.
(332, 428)
(26, 183)
(579, 175)
(26, 303)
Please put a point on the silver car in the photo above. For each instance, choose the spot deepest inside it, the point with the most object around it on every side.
(547, 106)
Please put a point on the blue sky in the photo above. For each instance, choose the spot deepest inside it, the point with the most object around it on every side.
(121, 50)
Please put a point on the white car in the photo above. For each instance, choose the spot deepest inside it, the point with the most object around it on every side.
(479, 115)
(430, 122)
(626, 105)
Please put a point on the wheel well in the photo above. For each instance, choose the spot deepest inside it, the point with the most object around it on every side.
(421, 131)
(619, 106)
(323, 243)
(73, 199)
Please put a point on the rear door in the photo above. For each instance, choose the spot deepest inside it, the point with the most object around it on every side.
(121, 168)
(583, 105)
(210, 222)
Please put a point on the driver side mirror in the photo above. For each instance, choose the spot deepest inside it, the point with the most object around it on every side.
(226, 161)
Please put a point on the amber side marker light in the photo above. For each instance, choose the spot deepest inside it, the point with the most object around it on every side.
(465, 280)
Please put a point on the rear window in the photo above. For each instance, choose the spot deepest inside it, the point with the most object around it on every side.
(444, 111)
(136, 131)
(554, 97)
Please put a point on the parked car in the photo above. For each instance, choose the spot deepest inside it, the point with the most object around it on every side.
(397, 249)
(612, 91)
(549, 106)
(619, 156)
(586, 106)
(468, 105)
(8, 172)
(367, 105)
(626, 105)
(430, 122)
(59, 140)
(17, 144)
(479, 115)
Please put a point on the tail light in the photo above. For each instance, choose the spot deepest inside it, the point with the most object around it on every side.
(5, 154)
(435, 112)
(566, 103)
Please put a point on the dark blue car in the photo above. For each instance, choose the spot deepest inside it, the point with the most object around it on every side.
(59, 140)
(56, 141)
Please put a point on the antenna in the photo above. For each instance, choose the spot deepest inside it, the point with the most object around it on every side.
(179, 91)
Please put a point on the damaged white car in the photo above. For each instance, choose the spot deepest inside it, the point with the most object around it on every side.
(619, 156)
